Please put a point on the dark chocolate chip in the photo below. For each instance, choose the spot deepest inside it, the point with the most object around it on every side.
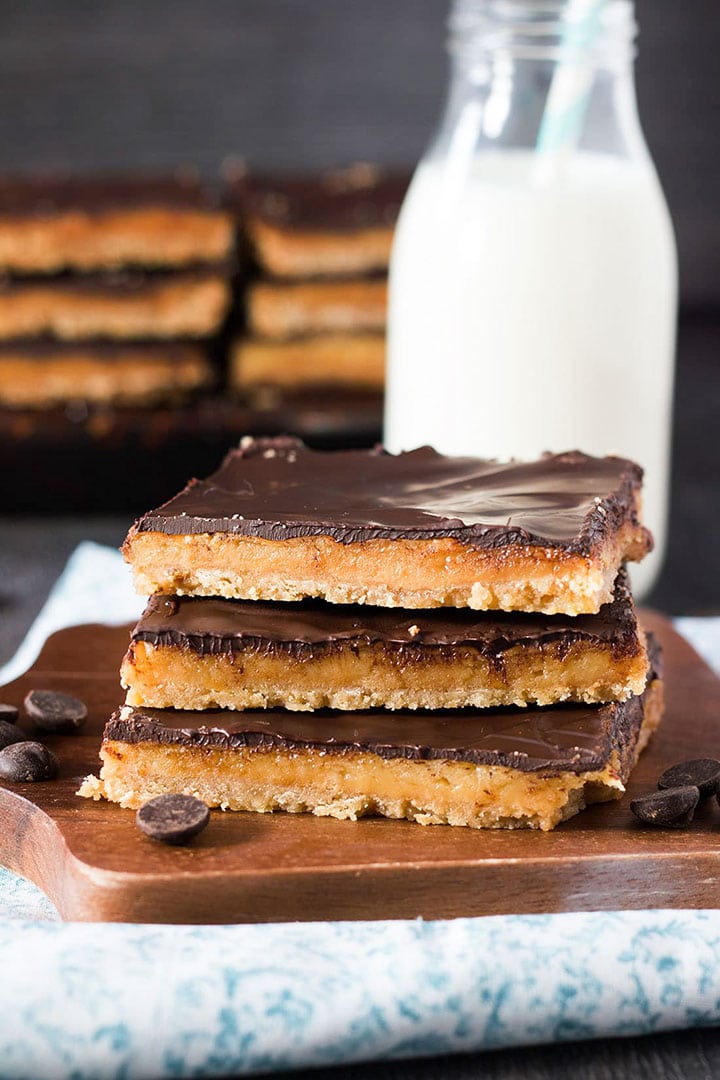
(10, 733)
(702, 773)
(8, 713)
(26, 762)
(50, 710)
(674, 807)
(174, 819)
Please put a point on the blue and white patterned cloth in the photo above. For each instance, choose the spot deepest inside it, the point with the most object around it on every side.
(93, 1001)
(103, 1001)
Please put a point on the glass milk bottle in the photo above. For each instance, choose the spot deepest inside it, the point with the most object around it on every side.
(533, 280)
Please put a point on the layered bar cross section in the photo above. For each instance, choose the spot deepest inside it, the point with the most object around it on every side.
(339, 223)
(279, 521)
(55, 223)
(203, 653)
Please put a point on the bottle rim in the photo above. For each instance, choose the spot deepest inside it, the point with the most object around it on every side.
(555, 30)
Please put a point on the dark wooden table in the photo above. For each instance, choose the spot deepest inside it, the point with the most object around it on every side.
(34, 550)
(683, 1055)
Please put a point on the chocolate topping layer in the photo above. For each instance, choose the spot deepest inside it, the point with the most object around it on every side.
(48, 196)
(210, 626)
(126, 282)
(39, 349)
(346, 200)
(278, 489)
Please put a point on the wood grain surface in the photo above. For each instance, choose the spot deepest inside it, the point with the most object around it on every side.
(93, 862)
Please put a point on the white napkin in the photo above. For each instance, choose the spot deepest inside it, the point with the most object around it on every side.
(151, 1001)
(704, 636)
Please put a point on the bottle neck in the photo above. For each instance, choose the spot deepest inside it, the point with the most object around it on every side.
(598, 33)
(549, 75)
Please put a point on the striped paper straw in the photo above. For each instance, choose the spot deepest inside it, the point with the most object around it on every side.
(567, 98)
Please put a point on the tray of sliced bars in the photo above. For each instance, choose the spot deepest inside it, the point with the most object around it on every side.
(162, 314)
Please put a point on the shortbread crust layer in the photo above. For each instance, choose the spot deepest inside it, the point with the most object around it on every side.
(196, 653)
(329, 360)
(570, 757)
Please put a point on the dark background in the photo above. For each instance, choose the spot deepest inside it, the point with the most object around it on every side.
(127, 83)
(94, 85)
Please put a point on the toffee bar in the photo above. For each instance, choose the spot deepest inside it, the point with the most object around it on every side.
(279, 521)
(339, 223)
(57, 223)
(181, 304)
(38, 375)
(282, 310)
(493, 769)
(204, 653)
(350, 361)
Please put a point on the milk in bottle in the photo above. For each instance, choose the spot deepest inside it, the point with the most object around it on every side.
(533, 276)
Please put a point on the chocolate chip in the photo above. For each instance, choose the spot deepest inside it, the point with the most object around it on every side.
(674, 807)
(8, 713)
(50, 710)
(174, 819)
(26, 762)
(10, 733)
(702, 773)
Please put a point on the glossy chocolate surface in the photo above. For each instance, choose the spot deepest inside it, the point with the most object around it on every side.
(48, 196)
(211, 626)
(278, 489)
(349, 200)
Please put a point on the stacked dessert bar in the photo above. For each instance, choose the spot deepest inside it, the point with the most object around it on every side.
(447, 640)
(111, 289)
(316, 312)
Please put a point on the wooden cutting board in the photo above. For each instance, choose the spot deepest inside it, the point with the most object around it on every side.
(93, 862)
